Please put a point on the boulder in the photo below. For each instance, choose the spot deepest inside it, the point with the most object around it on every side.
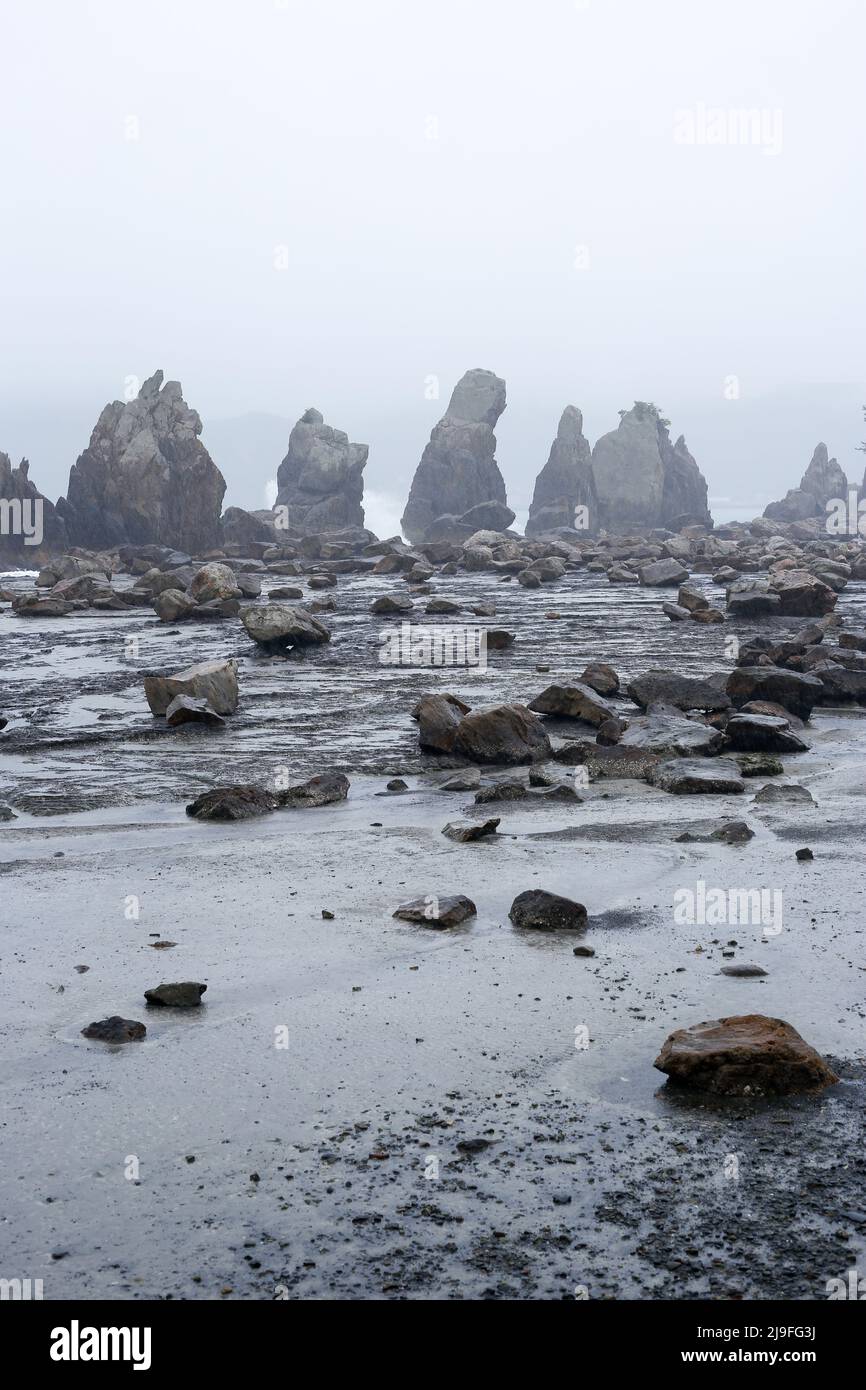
(277, 625)
(752, 598)
(744, 1055)
(802, 594)
(601, 678)
(240, 802)
(213, 581)
(320, 480)
(505, 734)
(784, 794)
(547, 911)
(684, 692)
(464, 832)
(213, 681)
(797, 692)
(458, 469)
(761, 733)
(146, 477)
(434, 911)
(573, 702)
(438, 719)
(185, 994)
(664, 730)
(684, 778)
(659, 572)
(115, 1030)
(324, 789)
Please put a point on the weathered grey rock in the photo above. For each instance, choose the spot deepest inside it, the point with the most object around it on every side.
(659, 572)
(324, 789)
(601, 678)
(756, 733)
(458, 469)
(31, 530)
(504, 734)
(275, 625)
(692, 599)
(392, 603)
(743, 971)
(666, 731)
(213, 681)
(146, 476)
(752, 598)
(712, 777)
(185, 994)
(213, 581)
(185, 709)
(784, 794)
(565, 482)
(746, 1055)
(684, 692)
(798, 692)
(321, 478)
(115, 1030)
(502, 791)
(547, 911)
(802, 594)
(438, 719)
(573, 702)
(602, 762)
(732, 832)
(466, 781)
(464, 832)
(435, 911)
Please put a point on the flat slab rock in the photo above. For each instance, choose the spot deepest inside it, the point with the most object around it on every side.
(115, 1030)
(244, 801)
(435, 911)
(683, 777)
(743, 1055)
(547, 911)
(732, 832)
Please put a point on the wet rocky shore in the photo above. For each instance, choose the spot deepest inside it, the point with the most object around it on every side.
(364, 1107)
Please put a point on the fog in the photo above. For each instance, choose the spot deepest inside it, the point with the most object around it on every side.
(344, 204)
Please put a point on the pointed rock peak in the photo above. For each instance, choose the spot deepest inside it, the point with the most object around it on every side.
(312, 417)
(320, 479)
(478, 398)
(570, 424)
(150, 388)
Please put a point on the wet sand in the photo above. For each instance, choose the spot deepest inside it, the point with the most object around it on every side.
(311, 1174)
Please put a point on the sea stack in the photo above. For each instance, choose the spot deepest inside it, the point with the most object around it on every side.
(565, 483)
(823, 481)
(30, 529)
(458, 488)
(145, 478)
(320, 480)
(642, 480)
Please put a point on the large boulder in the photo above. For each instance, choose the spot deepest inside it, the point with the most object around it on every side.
(547, 911)
(573, 702)
(744, 1055)
(458, 470)
(275, 625)
(796, 691)
(30, 529)
(802, 594)
(641, 479)
(565, 482)
(213, 681)
(438, 719)
(757, 733)
(684, 692)
(146, 477)
(666, 731)
(320, 480)
(509, 734)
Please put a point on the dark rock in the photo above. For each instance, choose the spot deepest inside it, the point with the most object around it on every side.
(438, 719)
(744, 971)
(240, 802)
(324, 789)
(798, 693)
(115, 1030)
(685, 692)
(761, 733)
(505, 734)
(784, 794)
(501, 791)
(184, 995)
(666, 731)
(275, 625)
(716, 777)
(573, 702)
(462, 781)
(804, 855)
(537, 908)
(759, 765)
(734, 832)
(466, 831)
(662, 572)
(601, 678)
(583, 951)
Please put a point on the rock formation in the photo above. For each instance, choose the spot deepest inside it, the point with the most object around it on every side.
(641, 479)
(30, 529)
(566, 481)
(458, 473)
(823, 480)
(320, 479)
(145, 477)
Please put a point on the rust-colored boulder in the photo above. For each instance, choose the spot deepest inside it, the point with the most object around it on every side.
(748, 1054)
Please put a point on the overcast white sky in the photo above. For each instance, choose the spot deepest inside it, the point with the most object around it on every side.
(430, 170)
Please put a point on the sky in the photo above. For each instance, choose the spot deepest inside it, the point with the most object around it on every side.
(348, 203)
